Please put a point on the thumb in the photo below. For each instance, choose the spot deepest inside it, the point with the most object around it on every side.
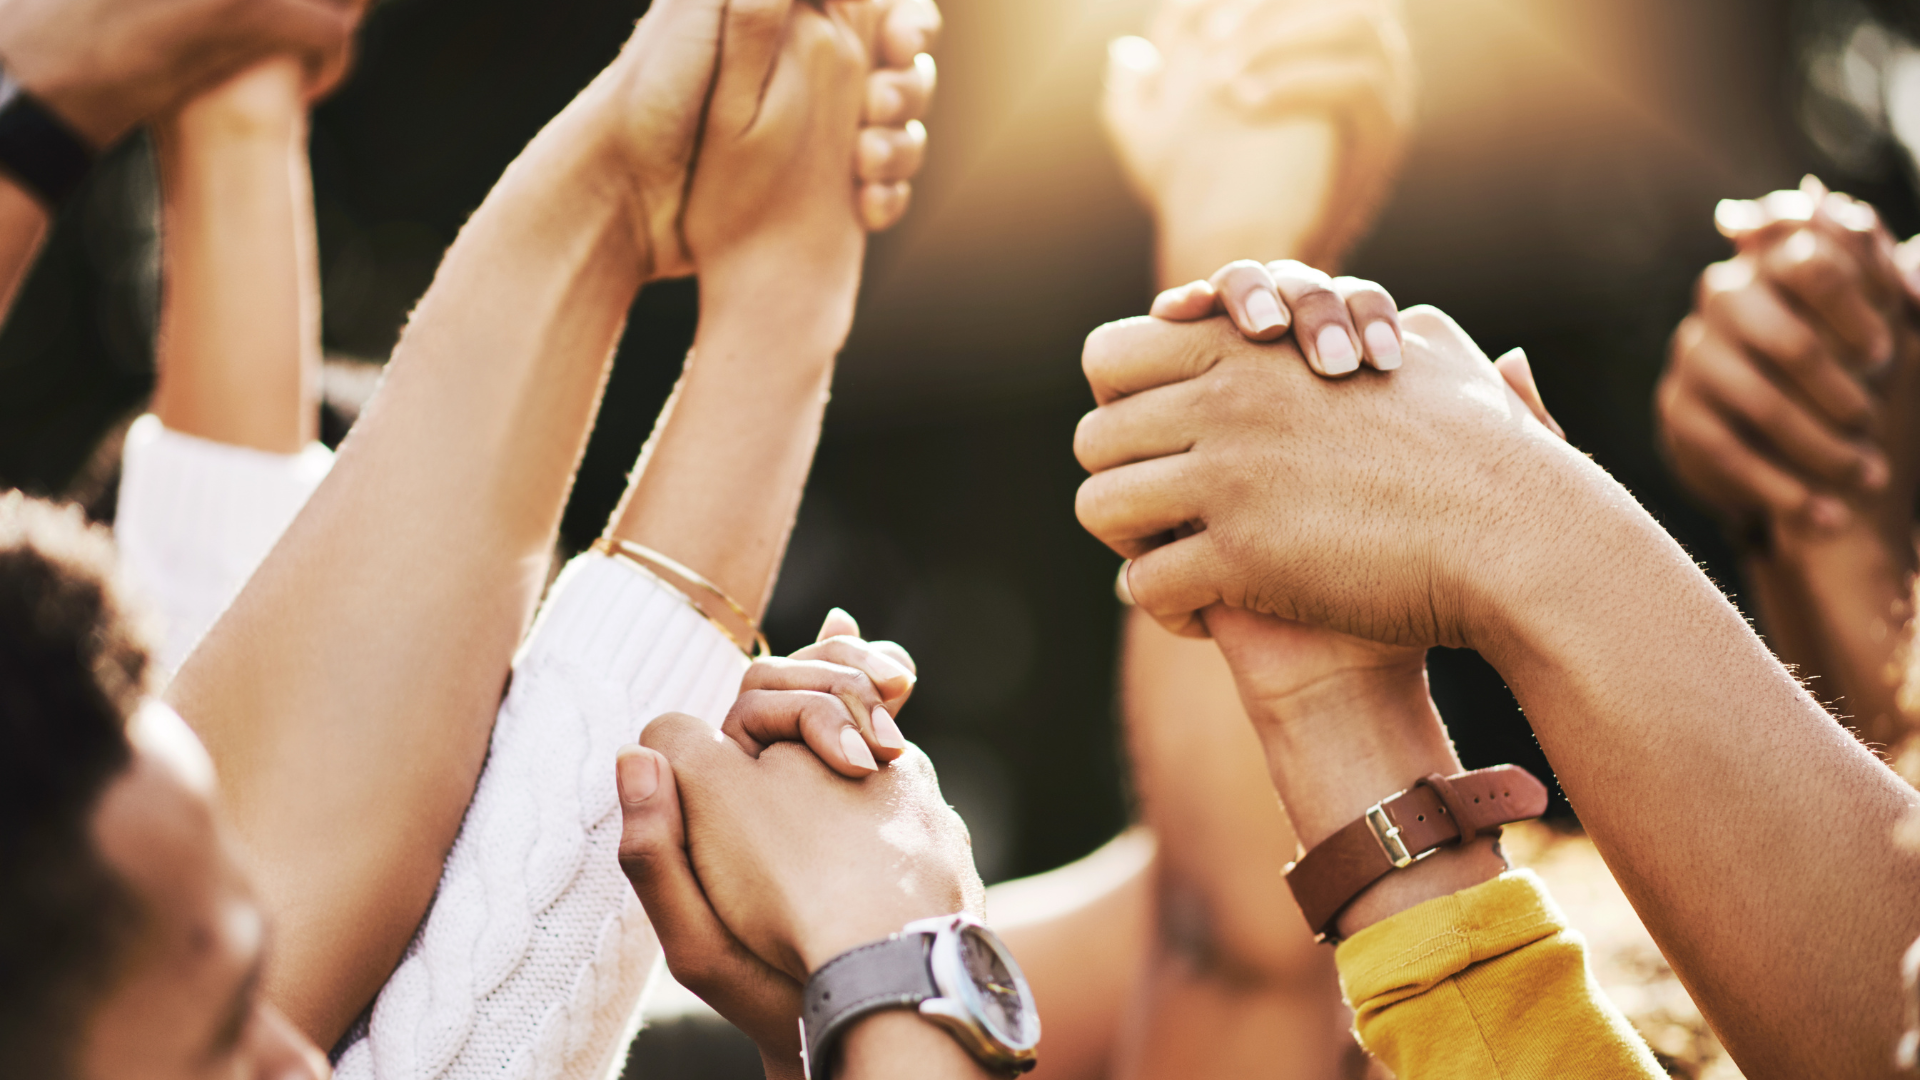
(1513, 368)
(838, 624)
(750, 42)
(1134, 67)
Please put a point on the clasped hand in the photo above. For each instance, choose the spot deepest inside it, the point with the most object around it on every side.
(756, 863)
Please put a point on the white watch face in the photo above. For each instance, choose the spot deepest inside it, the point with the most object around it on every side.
(999, 990)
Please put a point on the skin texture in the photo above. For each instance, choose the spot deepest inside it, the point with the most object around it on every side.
(758, 870)
(189, 1004)
(1789, 406)
(1656, 704)
(449, 491)
(1266, 127)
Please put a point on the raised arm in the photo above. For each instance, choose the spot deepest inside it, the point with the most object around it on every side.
(101, 67)
(364, 663)
(441, 512)
(1752, 833)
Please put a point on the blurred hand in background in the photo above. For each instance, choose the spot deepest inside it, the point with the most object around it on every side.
(1791, 406)
(1228, 114)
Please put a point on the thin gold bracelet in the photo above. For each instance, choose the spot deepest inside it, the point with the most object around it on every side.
(727, 616)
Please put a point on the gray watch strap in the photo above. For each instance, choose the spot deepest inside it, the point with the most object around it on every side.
(889, 974)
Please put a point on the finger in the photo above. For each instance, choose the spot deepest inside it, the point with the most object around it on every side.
(1725, 379)
(1337, 86)
(1134, 70)
(838, 623)
(1175, 582)
(1513, 367)
(1246, 290)
(892, 679)
(911, 30)
(1186, 303)
(897, 654)
(702, 954)
(886, 155)
(895, 96)
(1321, 324)
(306, 27)
(1813, 270)
(1759, 319)
(760, 718)
(1718, 463)
(1132, 355)
(694, 746)
(1135, 508)
(1145, 426)
(883, 205)
(750, 44)
(1286, 34)
(1370, 308)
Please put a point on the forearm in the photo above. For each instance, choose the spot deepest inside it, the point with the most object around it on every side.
(23, 227)
(362, 667)
(1837, 608)
(1752, 833)
(238, 349)
(720, 481)
(1234, 981)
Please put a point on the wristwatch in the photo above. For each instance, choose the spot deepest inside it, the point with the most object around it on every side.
(952, 970)
(1402, 829)
(46, 155)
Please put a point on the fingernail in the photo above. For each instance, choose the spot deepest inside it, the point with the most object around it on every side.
(1383, 345)
(887, 731)
(1336, 351)
(855, 747)
(1827, 513)
(1874, 472)
(639, 778)
(1263, 311)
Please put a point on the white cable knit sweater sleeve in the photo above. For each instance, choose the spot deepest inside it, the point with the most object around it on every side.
(196, 518)
(531, 963)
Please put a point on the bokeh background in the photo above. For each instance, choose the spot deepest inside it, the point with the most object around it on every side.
(1558, 196)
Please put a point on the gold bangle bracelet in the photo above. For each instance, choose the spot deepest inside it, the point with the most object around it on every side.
(700, 594)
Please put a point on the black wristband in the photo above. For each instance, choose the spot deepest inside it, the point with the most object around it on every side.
(49, 158)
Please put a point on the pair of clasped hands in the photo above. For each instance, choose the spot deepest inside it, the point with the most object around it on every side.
(757, 860)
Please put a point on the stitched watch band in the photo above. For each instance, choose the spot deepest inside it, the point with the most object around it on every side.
(38, 148)
(888, 974)
(1401, 829)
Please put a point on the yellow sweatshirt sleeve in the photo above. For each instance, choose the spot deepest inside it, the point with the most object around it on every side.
(1486, 983)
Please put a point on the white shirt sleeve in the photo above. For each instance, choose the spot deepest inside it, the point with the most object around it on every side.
(533, 959)
(196, 518)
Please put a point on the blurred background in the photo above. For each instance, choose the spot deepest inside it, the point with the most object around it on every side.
(1558, 196)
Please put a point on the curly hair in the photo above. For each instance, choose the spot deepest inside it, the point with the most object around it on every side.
(73, 668)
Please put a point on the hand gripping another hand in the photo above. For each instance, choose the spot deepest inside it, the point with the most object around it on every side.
(1229, 472)
(735, 115)
(756, 863)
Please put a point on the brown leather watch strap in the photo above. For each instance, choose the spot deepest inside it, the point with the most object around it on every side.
(1402, 829)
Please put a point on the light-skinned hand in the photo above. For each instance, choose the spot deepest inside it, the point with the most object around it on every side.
(1209, 92)
(105, 66)
(840, 696)
(1374, 506)
(756, 871)
(869, 56)
(1768, 407)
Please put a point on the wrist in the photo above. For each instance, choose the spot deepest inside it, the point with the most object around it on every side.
(898, 1042)
(1349, 742)
(788, 321)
